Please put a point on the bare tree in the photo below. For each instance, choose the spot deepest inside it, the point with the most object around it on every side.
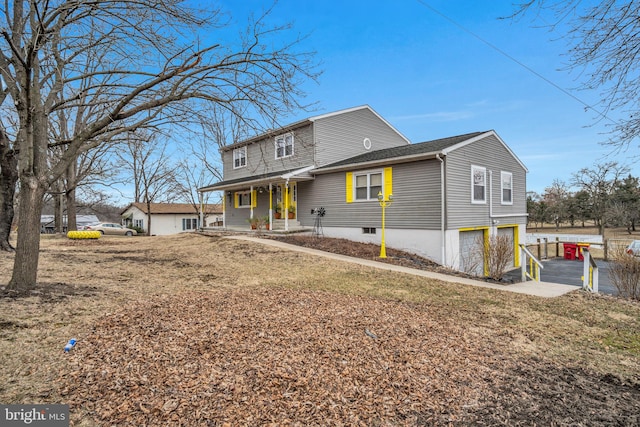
(555, 198)
(598, 183)
(498, 255)
(202, 162)
(136, 64)
(9, 178)
(605, 49)
(154, 176)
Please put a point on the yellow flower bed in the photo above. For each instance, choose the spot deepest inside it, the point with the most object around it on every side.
(84, 234)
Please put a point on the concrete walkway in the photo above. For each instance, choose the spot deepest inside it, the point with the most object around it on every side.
(539, 289)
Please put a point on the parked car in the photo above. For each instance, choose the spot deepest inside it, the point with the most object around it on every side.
(84, 226)
(634, 248)
(111, 228)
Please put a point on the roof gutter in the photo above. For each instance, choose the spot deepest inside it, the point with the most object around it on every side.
(381, 162)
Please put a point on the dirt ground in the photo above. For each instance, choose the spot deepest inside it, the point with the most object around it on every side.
(205, 331)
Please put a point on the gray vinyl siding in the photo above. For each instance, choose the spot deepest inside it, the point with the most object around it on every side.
(491, 154)
(238, 217)
(341, 136)
(416, 199)
(261, 156)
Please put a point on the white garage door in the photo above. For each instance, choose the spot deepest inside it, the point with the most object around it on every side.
(471, 252)
(508, 233)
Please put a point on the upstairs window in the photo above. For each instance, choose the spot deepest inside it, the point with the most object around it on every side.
(284, 146)
(478, 184)
(240, 157)
(506, 179)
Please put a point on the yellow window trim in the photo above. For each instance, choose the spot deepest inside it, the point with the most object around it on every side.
(387, 182)
(349, 187)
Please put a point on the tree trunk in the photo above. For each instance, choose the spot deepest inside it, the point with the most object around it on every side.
(71, 197)
(59, 209)
(71, 210)
(8, 180)
(148, 220)
(25, 266)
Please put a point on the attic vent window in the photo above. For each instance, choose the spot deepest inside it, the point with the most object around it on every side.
(367, 144)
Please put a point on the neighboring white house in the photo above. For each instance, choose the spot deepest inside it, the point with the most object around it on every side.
(47, 222)
(169, 218)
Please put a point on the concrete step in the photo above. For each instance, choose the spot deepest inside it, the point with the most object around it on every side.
(278, 224)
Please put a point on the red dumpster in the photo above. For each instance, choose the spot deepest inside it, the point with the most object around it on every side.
(579, 249)
(570, 250)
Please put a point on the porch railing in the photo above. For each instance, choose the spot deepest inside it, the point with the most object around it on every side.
(530, 261)
(590, 272)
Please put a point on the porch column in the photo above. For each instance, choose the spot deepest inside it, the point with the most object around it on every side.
(252, 201)
(270, 207)
(224, 209)
(286, 205)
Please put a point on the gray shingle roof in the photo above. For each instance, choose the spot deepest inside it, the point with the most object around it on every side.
(246, 179)
(434, 146)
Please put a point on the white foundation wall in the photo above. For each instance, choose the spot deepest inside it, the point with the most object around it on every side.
(452, 248)
(425, 243)
(162, 225)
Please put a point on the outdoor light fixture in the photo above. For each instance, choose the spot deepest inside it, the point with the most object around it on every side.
(384, 204)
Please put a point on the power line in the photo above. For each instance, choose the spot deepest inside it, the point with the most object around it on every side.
(511, 58)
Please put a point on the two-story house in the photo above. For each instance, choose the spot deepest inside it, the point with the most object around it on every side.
(447, 195)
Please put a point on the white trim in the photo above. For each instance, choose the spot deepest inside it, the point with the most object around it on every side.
(296, 172)
(239, 149)
(368, 173)
(502, 201)
(284, 146)
(481, 136)
(473, 200)
(362, 107)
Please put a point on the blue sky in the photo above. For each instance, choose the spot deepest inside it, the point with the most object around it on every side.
(431, 79)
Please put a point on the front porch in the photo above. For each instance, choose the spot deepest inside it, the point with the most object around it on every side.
(263, 200)
(278, 228)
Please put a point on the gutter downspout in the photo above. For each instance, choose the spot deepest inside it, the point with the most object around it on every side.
(491, 195)
(442, 211)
